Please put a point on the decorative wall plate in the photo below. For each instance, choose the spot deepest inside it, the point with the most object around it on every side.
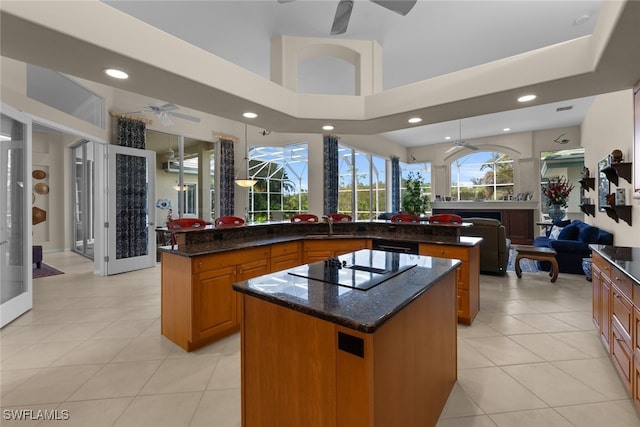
(39, 174)
(38, 215)
(42, 188)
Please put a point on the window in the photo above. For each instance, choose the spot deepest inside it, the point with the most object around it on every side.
(62, 93)
(367, 174)
(282, 188)
(190, 197)
(423, 170)
(482, 176)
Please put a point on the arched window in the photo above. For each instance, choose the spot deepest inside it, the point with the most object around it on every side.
(482, 176)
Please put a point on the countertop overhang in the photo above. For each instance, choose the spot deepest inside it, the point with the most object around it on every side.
(626, 258)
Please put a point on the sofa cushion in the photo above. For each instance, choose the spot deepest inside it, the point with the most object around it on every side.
(570, 232)
(589, 234)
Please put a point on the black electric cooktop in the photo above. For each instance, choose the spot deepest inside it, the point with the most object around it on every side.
(361, 270)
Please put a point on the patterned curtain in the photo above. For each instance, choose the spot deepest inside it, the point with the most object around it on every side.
(132, 237)
(395, 184)
(130, 132)
(330, 174)
(227, 167)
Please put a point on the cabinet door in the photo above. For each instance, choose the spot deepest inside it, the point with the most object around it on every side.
(605, 308)
(215, 303)
(596, 284)
(519, 225)
(621, 355)
(636, 361)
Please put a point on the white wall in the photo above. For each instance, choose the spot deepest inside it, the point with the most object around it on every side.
(607, 126)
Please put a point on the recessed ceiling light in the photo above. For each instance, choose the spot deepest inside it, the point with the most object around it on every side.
(506, 129)
(447, 138)
(116, 74)
(328, 127)
(527, 98)
(415, 120)
(249, 115)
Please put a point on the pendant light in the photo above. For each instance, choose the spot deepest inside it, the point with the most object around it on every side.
(242, 177)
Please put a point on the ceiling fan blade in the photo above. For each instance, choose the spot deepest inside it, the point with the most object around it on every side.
(452, 148)
(401, 7)
(167, 107)
(341, 20)
(186, 117)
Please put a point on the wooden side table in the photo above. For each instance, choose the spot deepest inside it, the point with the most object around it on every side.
(538, 254)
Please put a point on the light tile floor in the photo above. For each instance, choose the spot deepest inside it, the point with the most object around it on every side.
(92, 346)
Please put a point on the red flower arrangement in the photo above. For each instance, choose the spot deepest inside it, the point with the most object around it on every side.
(557, 192)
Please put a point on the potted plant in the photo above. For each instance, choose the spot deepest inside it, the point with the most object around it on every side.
(413, 199)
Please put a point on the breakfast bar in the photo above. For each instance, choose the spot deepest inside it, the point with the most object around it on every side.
(366, 338)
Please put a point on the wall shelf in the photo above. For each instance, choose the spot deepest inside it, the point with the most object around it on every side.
(616, 170)
(619, 212)
(588, 209)
(588, 183)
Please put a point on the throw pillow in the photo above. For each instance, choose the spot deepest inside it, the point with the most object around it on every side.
(570, 232)
(555, 232)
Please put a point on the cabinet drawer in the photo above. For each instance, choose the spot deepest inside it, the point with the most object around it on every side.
(603, 264)
(445, 251)
(622, 282)
(622, 312)
(284, 262)
(227, 259)
(622, 356)
(280, 249)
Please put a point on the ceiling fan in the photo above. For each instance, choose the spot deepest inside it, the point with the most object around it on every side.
(343, 11)
(461, 143)
(165, 111)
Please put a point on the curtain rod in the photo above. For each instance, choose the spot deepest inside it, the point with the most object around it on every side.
(127, 116)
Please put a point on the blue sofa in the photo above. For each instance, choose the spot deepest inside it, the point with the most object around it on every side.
(572, 244)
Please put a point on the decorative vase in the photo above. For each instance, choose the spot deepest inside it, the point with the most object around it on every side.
(586, 267)
(556, 213)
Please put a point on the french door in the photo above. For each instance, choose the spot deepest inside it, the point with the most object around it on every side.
(131, 239)
(16, 283)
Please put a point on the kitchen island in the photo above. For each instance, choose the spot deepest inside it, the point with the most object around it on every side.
(199, 306)
(363, 339)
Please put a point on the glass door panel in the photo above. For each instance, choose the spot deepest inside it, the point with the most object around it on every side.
(83, 198)
(16, 295)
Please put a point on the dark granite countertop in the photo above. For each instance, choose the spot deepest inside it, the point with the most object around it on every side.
(625, 258)
(217, 246)
(357, 309)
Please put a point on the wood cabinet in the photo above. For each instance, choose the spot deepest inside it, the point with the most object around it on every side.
(616, 311)
(198, 304)
(601, 290)
(285, 255)
(319, 250)
(300, 370)
(467, 276)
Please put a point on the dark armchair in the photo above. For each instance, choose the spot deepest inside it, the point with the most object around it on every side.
(494, 248)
